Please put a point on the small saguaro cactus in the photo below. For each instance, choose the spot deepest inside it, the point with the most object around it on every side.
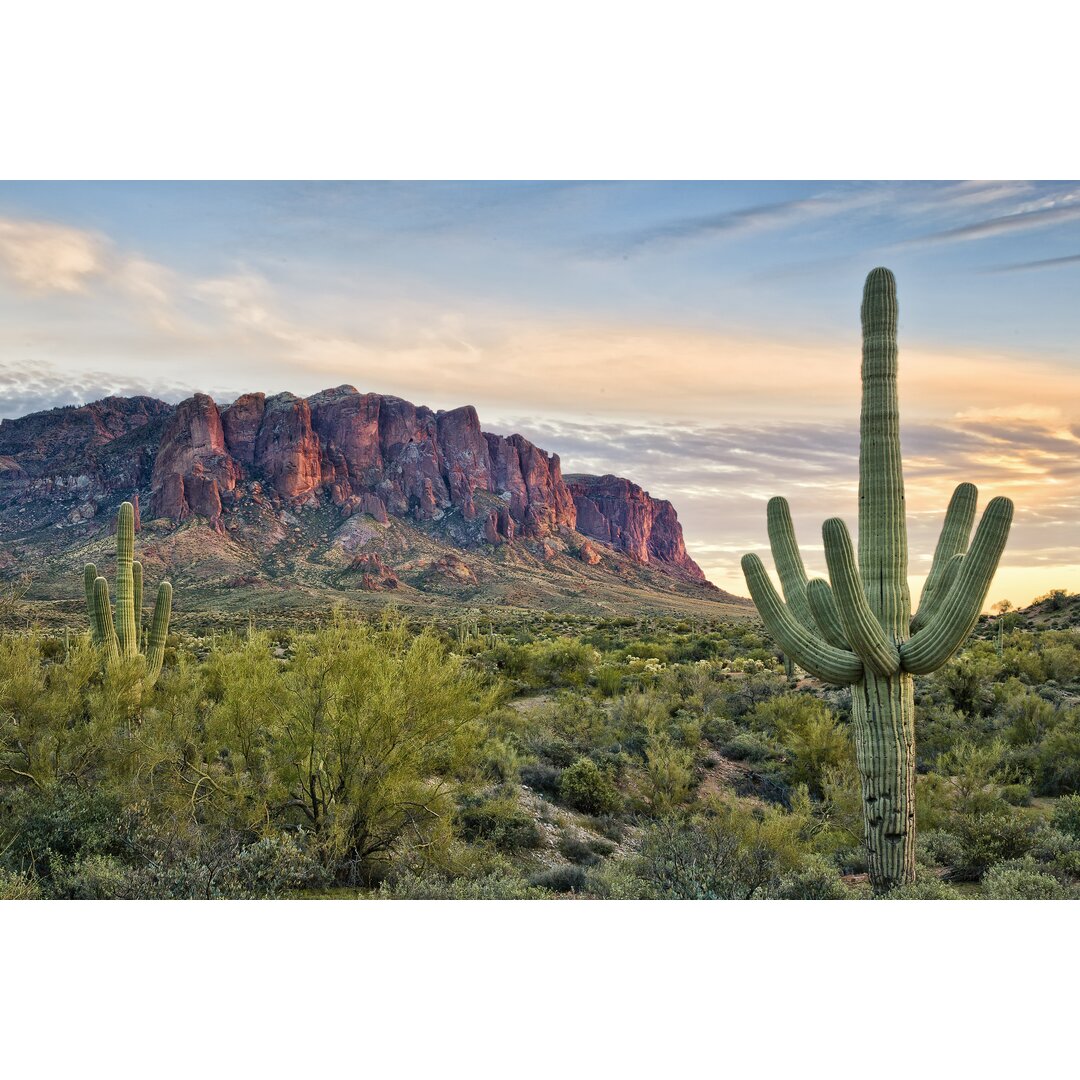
(859, 631)
(124, 636)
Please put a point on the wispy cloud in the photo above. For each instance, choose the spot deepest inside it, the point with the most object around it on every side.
(42, 257)
(1035, 264)
(762, 217)
(1052, 211)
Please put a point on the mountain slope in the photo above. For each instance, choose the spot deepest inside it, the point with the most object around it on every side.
(287, 502)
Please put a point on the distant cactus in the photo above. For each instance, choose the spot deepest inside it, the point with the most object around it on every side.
(859, 630)
(124, 636)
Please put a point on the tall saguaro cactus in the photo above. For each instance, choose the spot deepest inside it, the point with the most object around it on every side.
(122, 636)
(857, 628)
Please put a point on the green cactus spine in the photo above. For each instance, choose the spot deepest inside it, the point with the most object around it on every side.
(123, 637)
(859, 630)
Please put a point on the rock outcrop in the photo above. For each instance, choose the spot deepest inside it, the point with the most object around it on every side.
(618, 512)
(363, 453)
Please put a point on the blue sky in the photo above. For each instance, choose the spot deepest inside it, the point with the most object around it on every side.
(677, 333)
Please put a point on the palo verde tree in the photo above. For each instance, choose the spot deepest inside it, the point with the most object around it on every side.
(859, 631)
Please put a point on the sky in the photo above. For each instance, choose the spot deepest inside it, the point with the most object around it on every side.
(701, 338)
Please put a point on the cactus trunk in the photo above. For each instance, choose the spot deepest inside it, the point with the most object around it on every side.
(883, 724)
(859, 630)
(883, 706)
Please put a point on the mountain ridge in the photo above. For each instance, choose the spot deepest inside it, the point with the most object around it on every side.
(253, 472)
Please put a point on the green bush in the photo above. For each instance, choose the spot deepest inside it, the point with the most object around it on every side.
(924, 888)
(499, 822)
(561, 879)
(816, 879)
(1066, 815)
(749, 746)
(1021, 881)
(585, 787)
(542, 777)
(433, 886)
(18, 886)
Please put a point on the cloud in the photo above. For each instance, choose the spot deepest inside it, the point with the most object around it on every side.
(1054, 211)
(1035, 264)
(42, 257)
(27, 388)
(720, 476)
(749, 219)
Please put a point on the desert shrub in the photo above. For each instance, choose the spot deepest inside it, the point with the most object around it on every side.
(617, 879)
(586, 787)
(64, 826)
(541, 777)
(1021, 881)
(1058, 759)
(412, 885)
(726, 853)
(925, 887)
(577, 851)
(273, 866)
(1016, 794)
(15, 886)
(816, 879)
(563, 662)
(808, 730)
(938, 847)
(561, 879)
(1066, 815)
(499, 822)
(749, 746)
(609, 679)
(669, 770)
(989, 838)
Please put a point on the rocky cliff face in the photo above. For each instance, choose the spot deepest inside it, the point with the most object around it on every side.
(364, 453)
(625, 516)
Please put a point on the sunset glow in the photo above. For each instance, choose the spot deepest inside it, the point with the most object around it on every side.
(701, 339)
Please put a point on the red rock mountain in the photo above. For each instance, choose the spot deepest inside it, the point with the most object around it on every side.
(363, 453)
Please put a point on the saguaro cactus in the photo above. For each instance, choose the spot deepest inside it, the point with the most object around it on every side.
(122, 637)
(859, 630)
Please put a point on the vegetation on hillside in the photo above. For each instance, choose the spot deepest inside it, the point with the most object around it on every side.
(534, 758)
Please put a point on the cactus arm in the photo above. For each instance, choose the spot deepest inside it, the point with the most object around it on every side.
(89, 577)
(953, 620)
(159, 632)
(883, 555)
(819, 658)
(826, 613)
(861, 627)
(125, 580)
(954, 539)
(788, 561)
(945, 583)
(137, 581)
(103, 614)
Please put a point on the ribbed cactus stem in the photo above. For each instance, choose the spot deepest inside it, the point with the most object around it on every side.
(124, 636)
(807, 650)
(954, 540)
(789, 564)
(137, 588)
(103, 614)
(826, 612)
(953, 620)
(125, 580)
(159, 631)
(859, 631)
(89, 577)
(883, 555)
(861, 627)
